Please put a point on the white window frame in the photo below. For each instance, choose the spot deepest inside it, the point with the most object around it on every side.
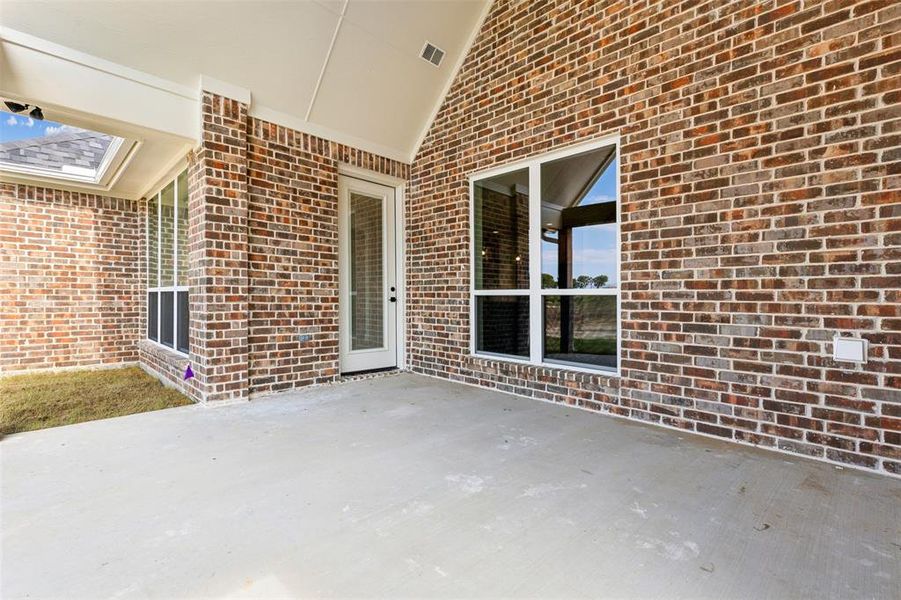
(175, 289)
(535, 292)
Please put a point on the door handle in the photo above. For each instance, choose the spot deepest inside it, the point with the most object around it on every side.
(392, 299)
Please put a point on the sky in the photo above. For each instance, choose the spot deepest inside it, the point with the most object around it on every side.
(594, 247)
(20, 127)
(604, 189)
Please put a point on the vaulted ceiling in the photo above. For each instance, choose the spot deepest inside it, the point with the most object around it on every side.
(349, 70)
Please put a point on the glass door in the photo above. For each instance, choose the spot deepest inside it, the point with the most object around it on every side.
(367, 278)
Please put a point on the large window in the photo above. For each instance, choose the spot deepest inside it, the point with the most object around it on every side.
(167, 265)
(545, 258)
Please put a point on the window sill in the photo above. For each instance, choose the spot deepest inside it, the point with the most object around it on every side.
(610, 374)
(164, 352)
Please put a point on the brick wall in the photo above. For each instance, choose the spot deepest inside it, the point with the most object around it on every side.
(263, 266)
(263, 238)
(760, 210)
(217, 261)
(293, 257)
(70, 279)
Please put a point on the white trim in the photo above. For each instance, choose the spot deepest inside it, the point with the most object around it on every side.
(355, 360)
(225, 89)
(511, 292)
(580, 291)
(170, 173)
(578, 148)
(400, 253)
(169, 288)
(114, 162)
(298, 124)
(325, 61)
(401, 274)
(535, 292)
(175, 278)
(367, 175)
(114, 155)
(161, 289)
(536, 312)
(31, 42)
(455, 72)
(472, 265)
(165, 347)
(505, 358)
(159, 262)
(562, 365)
(619, 271)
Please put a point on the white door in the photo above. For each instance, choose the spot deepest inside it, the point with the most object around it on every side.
(367, 275)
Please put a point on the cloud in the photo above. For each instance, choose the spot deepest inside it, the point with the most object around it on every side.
(53, 129)
(29, 122)
(12, 121)
(596, 197)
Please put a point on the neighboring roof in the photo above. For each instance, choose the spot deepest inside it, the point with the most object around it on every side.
(75, 147)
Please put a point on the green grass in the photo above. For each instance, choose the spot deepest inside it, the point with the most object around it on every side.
(605, 345)
(38, 401)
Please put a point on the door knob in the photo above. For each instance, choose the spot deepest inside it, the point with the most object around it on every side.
(392, 299)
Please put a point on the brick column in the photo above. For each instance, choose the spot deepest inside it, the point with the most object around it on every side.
(218, 253)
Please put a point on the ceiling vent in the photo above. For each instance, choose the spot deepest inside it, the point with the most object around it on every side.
(432, 53)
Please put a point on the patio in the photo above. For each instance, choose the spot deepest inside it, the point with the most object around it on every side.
(409, 486)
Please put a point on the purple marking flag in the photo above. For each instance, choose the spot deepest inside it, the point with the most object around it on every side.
(188, 373)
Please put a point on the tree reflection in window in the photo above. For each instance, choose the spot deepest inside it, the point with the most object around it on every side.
(579, 246)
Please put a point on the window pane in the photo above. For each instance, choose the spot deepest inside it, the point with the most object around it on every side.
(153, 241)
(166, 318)
(152, 316)
(167, 235)
(181, 268)
(501, 232)
(580, 330)
(578, 221)
(367, 297)
(502, 325)
(183, 321)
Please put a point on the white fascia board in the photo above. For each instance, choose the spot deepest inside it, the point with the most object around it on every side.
(54, 75)
(25, 40)
(292, 122)
(225, 89)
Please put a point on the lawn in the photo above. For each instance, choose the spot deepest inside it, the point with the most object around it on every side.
(38, 401)
(601, 345)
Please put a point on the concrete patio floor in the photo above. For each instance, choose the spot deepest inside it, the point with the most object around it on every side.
(410, 486)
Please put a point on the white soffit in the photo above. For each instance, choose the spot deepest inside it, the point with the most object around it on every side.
(348, 70)
(152, 154)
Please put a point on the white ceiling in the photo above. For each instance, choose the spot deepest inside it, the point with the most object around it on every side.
(345, 69)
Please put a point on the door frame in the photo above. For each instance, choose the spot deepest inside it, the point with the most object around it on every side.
(399, 186)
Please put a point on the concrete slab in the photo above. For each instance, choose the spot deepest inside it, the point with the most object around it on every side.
(409, 486)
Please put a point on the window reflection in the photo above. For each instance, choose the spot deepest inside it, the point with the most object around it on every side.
(578, 221)
(502, 232)
(503, 325)
(580, 330)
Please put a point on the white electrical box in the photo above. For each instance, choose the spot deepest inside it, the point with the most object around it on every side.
(846, 349)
